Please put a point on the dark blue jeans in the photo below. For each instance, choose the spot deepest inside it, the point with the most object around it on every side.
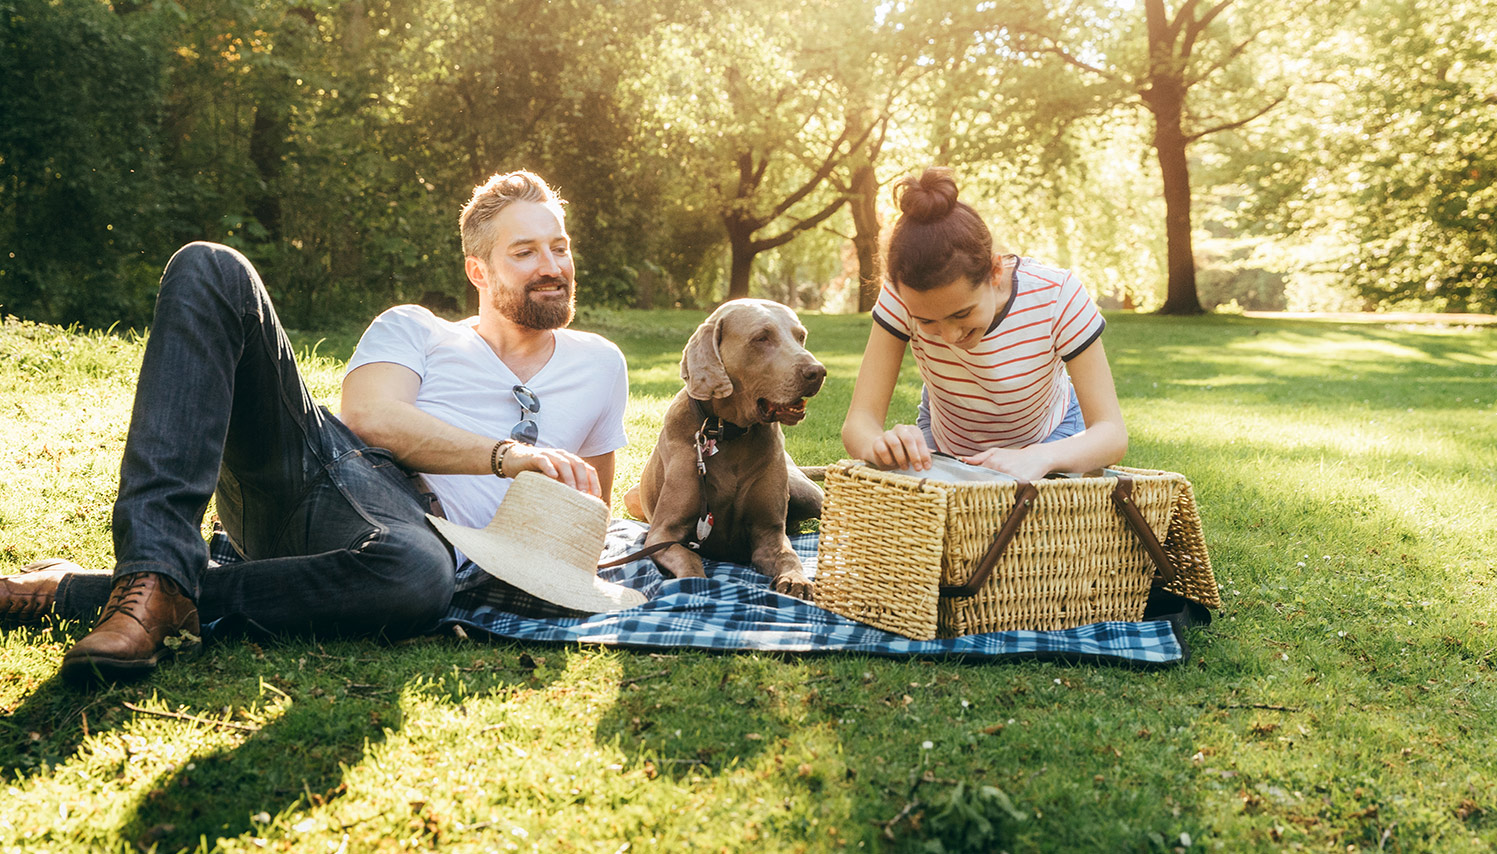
(334, 537)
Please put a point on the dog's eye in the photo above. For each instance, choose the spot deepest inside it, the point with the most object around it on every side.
(762, 338)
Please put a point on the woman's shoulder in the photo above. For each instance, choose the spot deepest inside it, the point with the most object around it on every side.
(1036, 273)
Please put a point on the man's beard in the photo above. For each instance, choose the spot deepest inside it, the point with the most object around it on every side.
(519, 308)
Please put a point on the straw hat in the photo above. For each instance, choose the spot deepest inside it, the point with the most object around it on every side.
(545, 539)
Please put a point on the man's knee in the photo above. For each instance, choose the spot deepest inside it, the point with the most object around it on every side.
(205, 255)
(202, 264)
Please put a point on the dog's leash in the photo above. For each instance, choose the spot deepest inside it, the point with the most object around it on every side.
(644, 553)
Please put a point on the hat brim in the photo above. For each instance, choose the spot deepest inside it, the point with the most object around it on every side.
(541, 576)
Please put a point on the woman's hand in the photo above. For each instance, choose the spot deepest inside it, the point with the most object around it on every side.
(902, 447)
(1029, 463)
(564, 466)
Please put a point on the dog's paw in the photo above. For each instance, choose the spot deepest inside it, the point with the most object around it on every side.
(795, 584)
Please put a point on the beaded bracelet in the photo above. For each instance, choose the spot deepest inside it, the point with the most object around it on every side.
(497, 454)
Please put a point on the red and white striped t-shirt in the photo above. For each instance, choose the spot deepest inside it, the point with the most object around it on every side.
(1009, 391)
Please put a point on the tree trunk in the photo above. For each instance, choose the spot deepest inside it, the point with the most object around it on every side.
(644, 288)
(265, 151)
(1165, 98)
(1180, 295)
(864, 207)
(742, 252)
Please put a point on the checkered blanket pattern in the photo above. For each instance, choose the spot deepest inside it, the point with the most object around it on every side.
(733, 609)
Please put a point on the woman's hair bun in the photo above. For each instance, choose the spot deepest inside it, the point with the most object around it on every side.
(927, 198)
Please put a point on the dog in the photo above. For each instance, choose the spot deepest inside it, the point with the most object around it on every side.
(719, 475)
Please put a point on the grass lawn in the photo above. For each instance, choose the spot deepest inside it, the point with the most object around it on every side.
(1343, 700)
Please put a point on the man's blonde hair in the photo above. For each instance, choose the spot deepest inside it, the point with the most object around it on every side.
(493, 196)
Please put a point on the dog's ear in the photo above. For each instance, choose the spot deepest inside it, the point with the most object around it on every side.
(702, 364)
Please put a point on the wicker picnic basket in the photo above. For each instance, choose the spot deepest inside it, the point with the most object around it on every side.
(926, 559)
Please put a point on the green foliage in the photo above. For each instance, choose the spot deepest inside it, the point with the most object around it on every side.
(766, 109)
(548, 90)
(81, 205)
(1430, 229)
(1402, 174)
(334, 141)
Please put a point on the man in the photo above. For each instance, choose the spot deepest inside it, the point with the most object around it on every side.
(332, 530)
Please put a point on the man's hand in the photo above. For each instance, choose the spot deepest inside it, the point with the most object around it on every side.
(903, 446)
(564, 466)
(1021, 463)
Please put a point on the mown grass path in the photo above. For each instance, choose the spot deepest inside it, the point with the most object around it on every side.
(1342, 700)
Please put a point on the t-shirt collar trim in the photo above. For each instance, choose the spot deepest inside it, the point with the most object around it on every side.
(1013, 294)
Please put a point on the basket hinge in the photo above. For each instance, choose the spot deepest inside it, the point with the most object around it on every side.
(1024, 497)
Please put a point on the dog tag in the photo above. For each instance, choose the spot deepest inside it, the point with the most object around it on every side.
(704, 526)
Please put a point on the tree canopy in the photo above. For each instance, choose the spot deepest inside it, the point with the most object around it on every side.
(1176, 153)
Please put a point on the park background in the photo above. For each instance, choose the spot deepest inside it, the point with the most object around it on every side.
(1252, 154)
(1339, 157)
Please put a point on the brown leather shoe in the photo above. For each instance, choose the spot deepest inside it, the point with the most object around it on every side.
(27, 597)
(147, 619)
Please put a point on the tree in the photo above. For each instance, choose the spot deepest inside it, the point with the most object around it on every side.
(550, 87)
(1389, 159)
(1187, 70)
(768, 106)
(1030, 140)
(81, 201)
(910, 42)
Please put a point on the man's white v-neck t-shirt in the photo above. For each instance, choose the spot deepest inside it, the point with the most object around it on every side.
(583, 391)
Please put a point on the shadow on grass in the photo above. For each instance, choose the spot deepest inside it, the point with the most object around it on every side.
(46, 727)
(657, 720)
(222, 791)
(323, 721)
(1194, 350)
(891, 754)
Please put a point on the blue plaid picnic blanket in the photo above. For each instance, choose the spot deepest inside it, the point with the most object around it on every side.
(734, 609)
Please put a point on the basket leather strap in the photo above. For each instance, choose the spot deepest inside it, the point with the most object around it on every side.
(1024, 497)
(1122, 496)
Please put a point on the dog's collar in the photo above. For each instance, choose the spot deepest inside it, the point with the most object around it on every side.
(715, 428)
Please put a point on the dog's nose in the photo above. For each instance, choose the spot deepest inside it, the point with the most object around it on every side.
(813, 374)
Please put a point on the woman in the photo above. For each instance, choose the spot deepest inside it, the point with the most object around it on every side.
(1016, 379)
